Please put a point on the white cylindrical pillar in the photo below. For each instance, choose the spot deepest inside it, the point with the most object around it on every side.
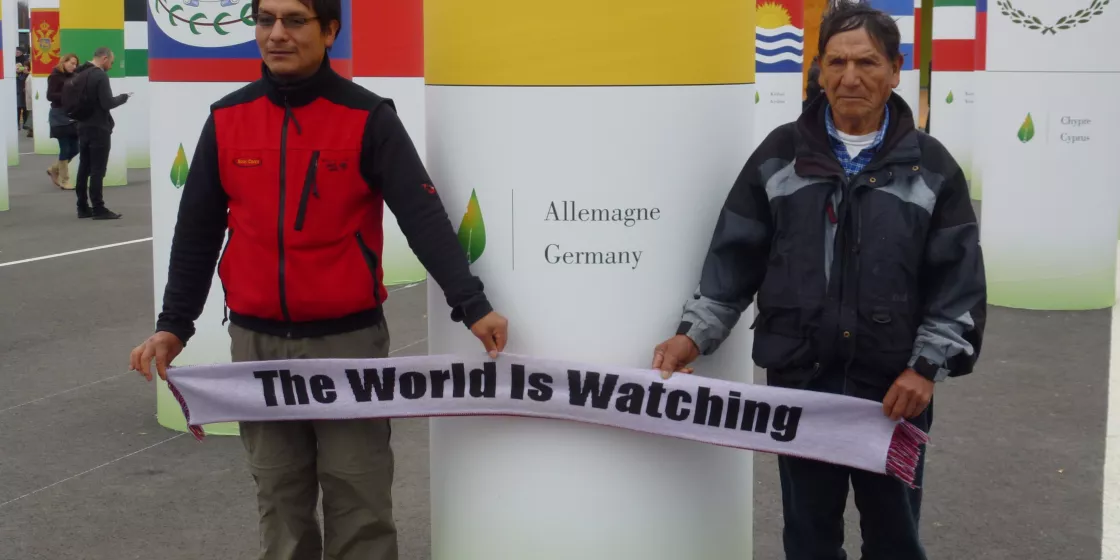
(550, 127)
(389, 61)
(952, 93)
(1051, 204)
(9, 36)
(188, 73)
(138, 109)
(779, 55)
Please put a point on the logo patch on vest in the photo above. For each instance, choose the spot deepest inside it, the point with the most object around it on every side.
(335, 165)
(247, 162)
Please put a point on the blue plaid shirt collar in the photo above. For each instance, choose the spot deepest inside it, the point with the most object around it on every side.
(852, 166)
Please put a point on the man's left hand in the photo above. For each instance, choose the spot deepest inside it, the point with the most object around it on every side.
(492, 330)
(909, 396)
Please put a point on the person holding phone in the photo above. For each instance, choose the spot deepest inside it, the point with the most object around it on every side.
(95, 134)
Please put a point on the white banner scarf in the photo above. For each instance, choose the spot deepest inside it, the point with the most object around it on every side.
(825, 427)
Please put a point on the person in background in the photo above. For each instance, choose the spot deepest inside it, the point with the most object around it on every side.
(812, 83)
(95, 135)
(23, 72)
(856, 233)
(302, 272)
(63, 128)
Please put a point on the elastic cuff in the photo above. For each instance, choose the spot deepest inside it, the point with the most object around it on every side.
(183, 333)
(470, 312)
(928, 369)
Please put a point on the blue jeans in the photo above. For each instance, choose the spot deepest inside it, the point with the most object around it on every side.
(67, 147)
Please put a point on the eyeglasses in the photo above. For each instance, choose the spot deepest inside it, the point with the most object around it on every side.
(290, 22)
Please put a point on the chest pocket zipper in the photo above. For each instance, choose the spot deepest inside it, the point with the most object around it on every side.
(310, 187)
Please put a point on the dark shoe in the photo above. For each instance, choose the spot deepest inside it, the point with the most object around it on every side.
(85, 213)
(106, 214)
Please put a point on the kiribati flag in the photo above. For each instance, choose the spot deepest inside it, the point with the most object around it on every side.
(779, 36)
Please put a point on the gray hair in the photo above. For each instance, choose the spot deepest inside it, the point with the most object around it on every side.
(102, 52)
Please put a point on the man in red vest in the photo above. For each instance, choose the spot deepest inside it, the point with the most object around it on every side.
(297, 166)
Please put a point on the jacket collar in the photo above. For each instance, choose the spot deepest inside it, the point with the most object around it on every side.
(299, 92)
(815, 156)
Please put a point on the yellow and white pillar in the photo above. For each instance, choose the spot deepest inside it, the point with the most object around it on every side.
(540, 116)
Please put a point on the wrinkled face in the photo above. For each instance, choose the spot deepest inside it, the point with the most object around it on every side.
(291, 37)
(857, 76)
(70, 64)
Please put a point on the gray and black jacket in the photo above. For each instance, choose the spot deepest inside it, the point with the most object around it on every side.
(869, 274)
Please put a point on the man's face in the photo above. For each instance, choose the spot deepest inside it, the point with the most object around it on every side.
(857, 76)
(291, 38)
(106, 63)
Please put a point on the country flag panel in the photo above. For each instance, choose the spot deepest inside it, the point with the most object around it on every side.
(392, 42)
(895, 7)
(917, 33)
(981, 34)
(93, 15)
(779, 36)
(906, 28)
(954, 21)
(954, 55)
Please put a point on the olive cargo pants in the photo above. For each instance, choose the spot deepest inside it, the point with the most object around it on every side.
(350, 459)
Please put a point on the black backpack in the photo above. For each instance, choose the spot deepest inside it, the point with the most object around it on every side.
(76, 101)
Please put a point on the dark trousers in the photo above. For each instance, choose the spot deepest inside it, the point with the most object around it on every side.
(93, 147)
(68, 147)
(815, 494)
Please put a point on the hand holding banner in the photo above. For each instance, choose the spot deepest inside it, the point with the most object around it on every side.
(826, 427)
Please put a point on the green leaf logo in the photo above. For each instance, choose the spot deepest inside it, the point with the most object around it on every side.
(36, 96)
(756, 97)
(179, 169)
(472, 230)
(1026, 132)
(949, 99)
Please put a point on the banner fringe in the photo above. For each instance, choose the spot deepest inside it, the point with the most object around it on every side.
(904, 452)
(197, 431)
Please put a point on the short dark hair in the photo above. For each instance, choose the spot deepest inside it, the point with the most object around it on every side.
(102, 52)
(326, 10)
(849, 15)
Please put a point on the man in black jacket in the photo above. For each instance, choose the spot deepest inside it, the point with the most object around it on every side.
(95, 137)
(856, 232)
(297, 166)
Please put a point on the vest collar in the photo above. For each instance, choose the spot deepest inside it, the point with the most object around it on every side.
(299, 92)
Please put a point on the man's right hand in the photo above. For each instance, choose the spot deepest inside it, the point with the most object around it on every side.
(164, 347)
(674, 355)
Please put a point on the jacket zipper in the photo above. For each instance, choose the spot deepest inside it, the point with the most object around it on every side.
(371, 263)
(309, 188)
(280, 219)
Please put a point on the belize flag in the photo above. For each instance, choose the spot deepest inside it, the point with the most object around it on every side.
(779, 36)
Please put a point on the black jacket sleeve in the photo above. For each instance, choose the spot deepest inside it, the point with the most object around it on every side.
(54, 88)
(105, 93)
(735, 265)
(197, 242)
(390, 163)
(954, 287)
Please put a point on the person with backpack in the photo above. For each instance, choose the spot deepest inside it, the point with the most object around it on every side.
(88, 98)
(63, 128)
(298, 167)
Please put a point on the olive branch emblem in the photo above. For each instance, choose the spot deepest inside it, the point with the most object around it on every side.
(1028, 21)
(199, 20)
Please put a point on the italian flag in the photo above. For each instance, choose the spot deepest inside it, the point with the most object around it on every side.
(954, 35)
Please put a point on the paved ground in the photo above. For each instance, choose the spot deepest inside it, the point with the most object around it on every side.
(86, 472)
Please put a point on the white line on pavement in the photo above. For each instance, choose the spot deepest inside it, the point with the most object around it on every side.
(93, 469)
(1110, 543)
(3, 410)
(68, 253)
(409, 345)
